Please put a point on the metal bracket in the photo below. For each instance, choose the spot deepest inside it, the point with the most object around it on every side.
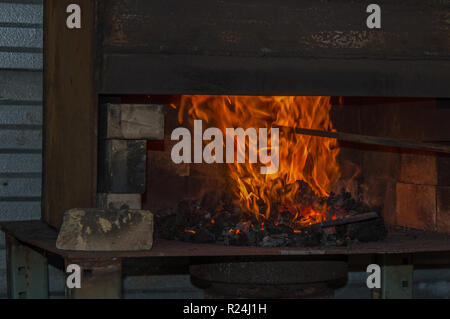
(396, 277)
(100, 279)
(27, 271)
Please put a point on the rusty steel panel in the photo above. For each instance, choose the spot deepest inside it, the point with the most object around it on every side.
(398, 241)
(308, 28)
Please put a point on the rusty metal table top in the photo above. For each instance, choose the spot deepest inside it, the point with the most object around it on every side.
(39, 235)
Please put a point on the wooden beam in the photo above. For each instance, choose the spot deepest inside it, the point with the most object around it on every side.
(70, 111)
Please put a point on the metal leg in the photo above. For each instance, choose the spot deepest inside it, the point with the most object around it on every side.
(100, 279)
(396, 277)
(27, 271)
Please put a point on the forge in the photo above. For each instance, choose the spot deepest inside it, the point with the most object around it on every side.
(294, 196)
(320, 139)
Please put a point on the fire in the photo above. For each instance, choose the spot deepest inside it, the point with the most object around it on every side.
(302, 158)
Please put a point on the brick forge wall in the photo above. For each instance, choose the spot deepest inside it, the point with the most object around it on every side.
(412, 186)
(168, 183)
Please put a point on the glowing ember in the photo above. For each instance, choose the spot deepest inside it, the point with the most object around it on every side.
(302, 158)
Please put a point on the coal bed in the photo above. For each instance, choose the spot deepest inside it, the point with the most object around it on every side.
(336, 220)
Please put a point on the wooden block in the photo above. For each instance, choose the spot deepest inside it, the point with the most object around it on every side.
(106, 230)
(132, 121)
(122, 166)
(119, 201)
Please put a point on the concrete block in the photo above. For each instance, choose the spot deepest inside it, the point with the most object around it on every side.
(132, 121)
(106, 230)
(122, 166)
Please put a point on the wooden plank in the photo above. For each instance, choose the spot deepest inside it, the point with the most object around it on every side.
(194, 74)
(307, 28)
(70, 111)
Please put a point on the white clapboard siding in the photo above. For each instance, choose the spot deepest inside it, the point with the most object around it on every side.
(21, 12)
(20, 60)
(21, 35)
(11, 188)
(23, 210)
(14, 163)
(20, 86)
(20, 114)
(20, 139)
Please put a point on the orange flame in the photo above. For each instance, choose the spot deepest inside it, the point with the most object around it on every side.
(302, 157)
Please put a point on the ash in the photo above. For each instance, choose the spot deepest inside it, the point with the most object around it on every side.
(223, 221)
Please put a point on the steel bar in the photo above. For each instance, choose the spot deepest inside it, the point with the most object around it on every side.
(350, 220)
(373, 140)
